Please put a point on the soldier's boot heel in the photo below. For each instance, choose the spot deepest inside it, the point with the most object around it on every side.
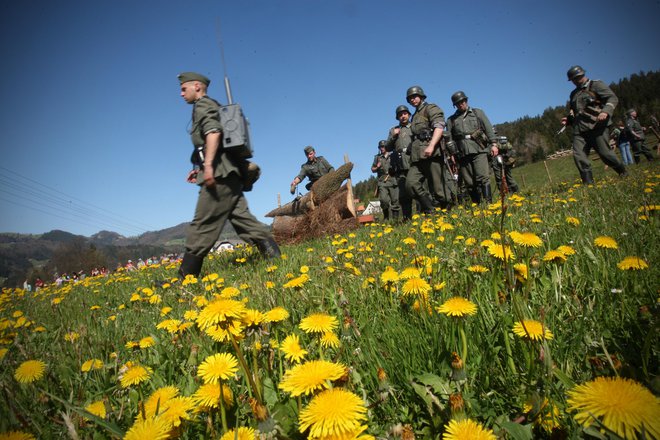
(190, 265)
(269, 248)
(487, 193)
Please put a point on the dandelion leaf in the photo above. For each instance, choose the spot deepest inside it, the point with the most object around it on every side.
(517, 431)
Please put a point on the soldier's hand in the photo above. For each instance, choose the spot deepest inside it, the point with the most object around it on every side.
(192, 176)
(428, 151)
(396, 131)
(292, 189)
(602, 116)
(494, 150)
(209, 179)
(564, 121)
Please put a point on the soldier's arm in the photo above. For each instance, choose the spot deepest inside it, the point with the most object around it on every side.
(212, 144)
(607, 97)
(327, 165)
(490, 133)
(208, 115)
(375, 165)
(390, 143)
(437, 120)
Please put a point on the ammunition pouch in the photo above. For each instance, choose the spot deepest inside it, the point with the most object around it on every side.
(424, 135)
(451, 148)
(480, 138)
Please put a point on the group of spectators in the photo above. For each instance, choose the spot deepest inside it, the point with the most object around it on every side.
(74, 277)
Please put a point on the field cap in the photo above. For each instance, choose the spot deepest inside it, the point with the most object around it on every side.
(193, 76)
(308, 149)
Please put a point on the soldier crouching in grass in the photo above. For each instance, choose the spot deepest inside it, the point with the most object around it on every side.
(590, 110)
(220, 181)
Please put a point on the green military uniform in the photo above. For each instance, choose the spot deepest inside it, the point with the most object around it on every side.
(314, 170)
(388, 187)
(399, 144)
(427, 117)
(223, 201)
(503, 163)
(587, 101)
(636, 135)
(473, 133)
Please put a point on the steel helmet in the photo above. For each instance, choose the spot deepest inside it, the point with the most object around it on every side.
(503, 140)
(382, 144)
(415, 90)
(401, 109)
(574, 72)
(458, 97)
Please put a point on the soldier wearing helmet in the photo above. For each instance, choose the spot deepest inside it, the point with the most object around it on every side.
(388, 188)
(590, 109)
(475, 138)
(426, 156)
(636, 134)
(314, 168)
(399, 141)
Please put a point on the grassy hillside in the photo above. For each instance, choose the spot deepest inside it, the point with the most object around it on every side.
(502, 316)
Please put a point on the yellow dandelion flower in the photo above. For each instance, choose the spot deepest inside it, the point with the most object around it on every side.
(159, 399)
(218, 366)
(389, 276)
(92, 364)
(296, 283)
(190, 315)
(71, 336)
(621, 405)
(291, 348)
(332, 414)
(220, 311)
(146, 342)
(439, 286)
(97, 408)
(415, 286)
(458, 307)
(30, 371)
(520, 269)
(632, 263)
(409, 241)
(230, 292)
(278, 314)
(501, 252)
(224, 331)
(170, 325)
(554, 256)
(318, 323)
(410, 272)
(566, 250)
(241, 433)
(178, 409)
(467, 429)
(165, 310)
(532, 330)
(487, 243)
(546, 414)
(208, 395)
(310, 377)
(3, 352)
(330, 340)
(478, 269)
(606, 242)
(253, 318)
(155, 428)
(526, 239)
(134, 375)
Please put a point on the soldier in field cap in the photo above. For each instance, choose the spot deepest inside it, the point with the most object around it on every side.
(314, 168)
(220, 179)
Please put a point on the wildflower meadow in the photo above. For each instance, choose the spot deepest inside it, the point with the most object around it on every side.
(533, 317)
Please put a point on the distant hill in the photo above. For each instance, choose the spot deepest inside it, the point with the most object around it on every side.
(30, 255)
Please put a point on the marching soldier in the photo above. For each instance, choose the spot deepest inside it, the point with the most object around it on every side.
(388, 187)
(314, 168)
(590, 110)
(636, 134)
(502, 164)
(473, 134)
(220, 179)
(399, 141)
(426, 158)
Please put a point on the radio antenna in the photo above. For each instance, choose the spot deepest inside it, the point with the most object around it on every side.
(224, 65)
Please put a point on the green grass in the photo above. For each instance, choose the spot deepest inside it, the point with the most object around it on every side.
(397, 347)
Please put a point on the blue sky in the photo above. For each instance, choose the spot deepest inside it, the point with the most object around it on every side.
(93, 130)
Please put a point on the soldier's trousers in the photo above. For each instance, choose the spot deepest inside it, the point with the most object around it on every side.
(441, 184)
(388, 194)
(405, 201)
(216, 205)
(598, 139)
(639, 148)
(511, 184)
(474, 171)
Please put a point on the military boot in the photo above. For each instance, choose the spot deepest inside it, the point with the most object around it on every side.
(386, 213)
(486, 191)
(475, 195)
(190, 265)
(587, 177)
(426, 204)
(268, 248)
